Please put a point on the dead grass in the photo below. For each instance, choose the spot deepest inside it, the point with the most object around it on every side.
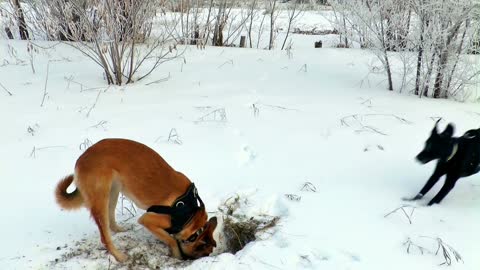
(239, 229)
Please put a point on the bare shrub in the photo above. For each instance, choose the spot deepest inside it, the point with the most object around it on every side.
(116, 35)
(433, 38)
(294, 10)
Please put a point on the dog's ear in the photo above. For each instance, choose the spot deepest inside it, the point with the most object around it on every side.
(448, 132)
(213, 223)
(435, 128)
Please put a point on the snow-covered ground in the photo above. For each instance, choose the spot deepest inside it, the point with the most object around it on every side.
(253, 123)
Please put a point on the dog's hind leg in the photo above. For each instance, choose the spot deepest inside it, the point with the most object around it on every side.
(447, 187)
(101, 218)
(112, 205)
(99, 208)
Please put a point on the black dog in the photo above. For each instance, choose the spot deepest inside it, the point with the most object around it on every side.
(457, 158)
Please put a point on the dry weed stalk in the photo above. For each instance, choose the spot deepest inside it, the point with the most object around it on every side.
(403, 208)
(446, 250)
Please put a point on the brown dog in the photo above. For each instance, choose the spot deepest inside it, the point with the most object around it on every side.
(175, 213)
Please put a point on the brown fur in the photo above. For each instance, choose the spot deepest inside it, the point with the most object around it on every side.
(112, 166)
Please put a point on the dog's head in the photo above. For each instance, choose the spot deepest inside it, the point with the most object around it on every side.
(196, 239)
(438, 145)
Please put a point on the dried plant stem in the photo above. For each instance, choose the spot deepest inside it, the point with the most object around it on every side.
(6, 90)
(96, 100)
(45, 87)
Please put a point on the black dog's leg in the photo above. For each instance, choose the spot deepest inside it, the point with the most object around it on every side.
(447, 187)
(430, 183)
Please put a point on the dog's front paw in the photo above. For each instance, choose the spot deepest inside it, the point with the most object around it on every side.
(176, 253)
(411, 199)
(117, 229)
(120, 257)
(432, 202)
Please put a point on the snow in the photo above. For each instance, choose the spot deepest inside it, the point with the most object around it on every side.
(294, 134)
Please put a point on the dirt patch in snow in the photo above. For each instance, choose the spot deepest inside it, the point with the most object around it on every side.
(143, 249)
(235, 230)
(239, 229)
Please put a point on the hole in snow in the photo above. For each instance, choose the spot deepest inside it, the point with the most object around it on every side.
(238, 229)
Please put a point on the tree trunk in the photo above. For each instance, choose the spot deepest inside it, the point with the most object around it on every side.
(429, 76)
(443, 60)
(459, 52)
(405, 31)
(288, 29)
(272, 24)
(22, 26)
(419, 69)
(390, 40)
(242, 41)
(389, 71)
(420, 58)
(345, 27)
(9, 32)
(254, 4)
(385, 56)
(217, 39)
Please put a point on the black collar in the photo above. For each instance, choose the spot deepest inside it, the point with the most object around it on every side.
(182, 209)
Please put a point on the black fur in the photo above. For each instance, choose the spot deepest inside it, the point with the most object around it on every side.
(457, 157)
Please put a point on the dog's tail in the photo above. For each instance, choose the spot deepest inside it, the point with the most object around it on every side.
(68, 201)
